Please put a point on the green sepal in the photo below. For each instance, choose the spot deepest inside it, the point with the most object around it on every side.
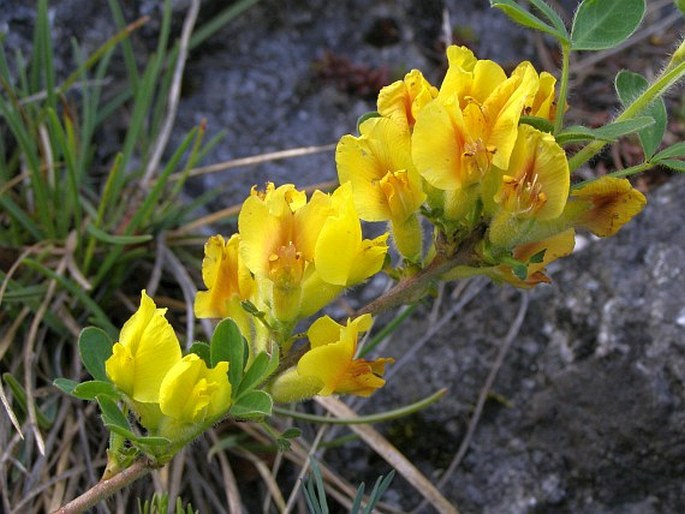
(542, 124)
(364, 117)
(538, 257)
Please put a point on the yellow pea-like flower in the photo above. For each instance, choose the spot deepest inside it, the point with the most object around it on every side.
(228, 282)
(385, 183)
(604, 205)
(554, 247)
(193, 393)
(147, 349)
(331, 358)
(303, 253)
(402, 100)
(534, 187)
(472, 124)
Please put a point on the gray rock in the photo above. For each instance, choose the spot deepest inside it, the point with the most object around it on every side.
(587, 412)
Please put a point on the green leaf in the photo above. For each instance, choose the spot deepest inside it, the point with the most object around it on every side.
(610, 132)
(103, 236)
(202, 350)
(601, 24)
(260, 369)
(673, 164)
(521, 16)
(613, 131)
(112, 415)
(228, 344)
(95, 347)
(631, 85)
(676, 150)
(551, 15)
(251, 405)
(65, 385)
(542, 124)
(366, 116)
(92, 388)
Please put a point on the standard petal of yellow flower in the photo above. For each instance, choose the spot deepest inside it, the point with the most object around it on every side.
(378, 164)
(502, 110)
(146, 350)
(468, 76)
(192, 393)
(261, 234)
(227, 279)
(268, 235)
(604, 205)
(478, 127)
(308, 222)
(341, 256)
(440, 147)
(331, 359)
(402, 100)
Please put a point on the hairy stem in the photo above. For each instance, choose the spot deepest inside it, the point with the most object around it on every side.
(563, 87)
(668, 78)
(106, 488)
(410, 289)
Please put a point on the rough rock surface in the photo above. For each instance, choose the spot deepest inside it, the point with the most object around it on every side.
(587, 412)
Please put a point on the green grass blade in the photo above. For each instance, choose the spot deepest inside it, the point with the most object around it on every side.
(126, 46)
(218, 21)
(101, 318)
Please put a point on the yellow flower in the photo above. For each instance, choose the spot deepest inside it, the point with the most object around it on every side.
(535, 186)
(402, 100)
(193, 393)
(146, 351)
(292, 245)
(228, 282)
(473, 122)
(604, 205)
(385, 183)
(554, 247)
(331, 358)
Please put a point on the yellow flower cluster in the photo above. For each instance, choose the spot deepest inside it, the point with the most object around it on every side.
(290, 257)
(169, 392)
(460, 157)
(462, 154)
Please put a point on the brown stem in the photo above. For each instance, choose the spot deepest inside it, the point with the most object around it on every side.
(106, 488)
(413, 288)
